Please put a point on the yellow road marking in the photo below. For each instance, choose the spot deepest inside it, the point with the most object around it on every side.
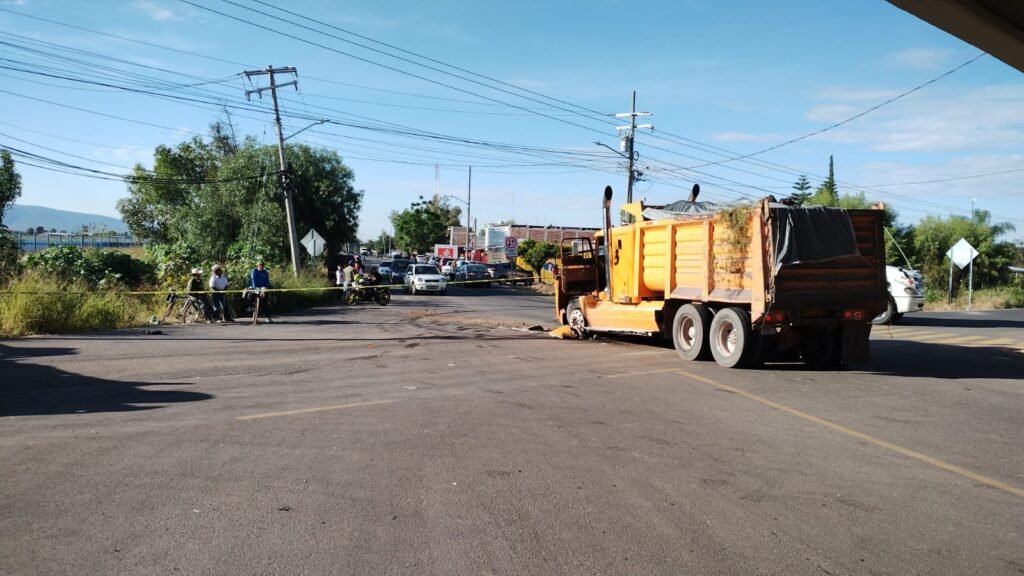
(646, 353)
(865, 437)
(953, 339)
(909, 334)
(642, 373)
(995, 344)
(309, 410)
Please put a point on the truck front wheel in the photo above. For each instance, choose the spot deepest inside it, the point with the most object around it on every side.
(690, 331)
(731, 338)
(576, 320)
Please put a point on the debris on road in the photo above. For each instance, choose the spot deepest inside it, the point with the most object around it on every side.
(562, 332)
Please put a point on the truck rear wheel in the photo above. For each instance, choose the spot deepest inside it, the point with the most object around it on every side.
(690, 332)
(730, 337)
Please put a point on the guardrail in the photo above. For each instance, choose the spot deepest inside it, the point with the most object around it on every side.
(36, 242)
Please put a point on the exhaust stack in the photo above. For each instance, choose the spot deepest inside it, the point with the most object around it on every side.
(608, 241)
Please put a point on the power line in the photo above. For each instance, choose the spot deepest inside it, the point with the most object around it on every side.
(386, 66)
(950, 179)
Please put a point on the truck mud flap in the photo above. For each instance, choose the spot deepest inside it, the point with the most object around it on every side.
(856, 345)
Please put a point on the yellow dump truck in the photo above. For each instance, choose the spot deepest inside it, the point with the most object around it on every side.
(752, 283)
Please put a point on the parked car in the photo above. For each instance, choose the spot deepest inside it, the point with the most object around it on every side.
(505, 272)
(425, 278)
(384, 270)
(448, 267)
(475, 274)
(906, 294)
(398, 270)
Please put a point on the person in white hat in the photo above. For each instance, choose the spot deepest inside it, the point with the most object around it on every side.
(219, 284)
(195, 289)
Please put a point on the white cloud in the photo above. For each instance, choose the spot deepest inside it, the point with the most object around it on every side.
(847, 94)
(920, 58)
(155, 11)
(124, 155)
(983, 118)
(745, 137)
(831, 113)
(910, 189)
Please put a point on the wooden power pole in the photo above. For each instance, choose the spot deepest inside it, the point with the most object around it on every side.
(289, 208)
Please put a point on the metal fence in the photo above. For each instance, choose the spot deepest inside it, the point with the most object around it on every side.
(36, 242)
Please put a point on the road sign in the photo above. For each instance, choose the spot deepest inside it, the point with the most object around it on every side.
(313, 243)
(511, 243)
(962, 253)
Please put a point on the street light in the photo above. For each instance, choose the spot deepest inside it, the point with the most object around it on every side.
(610, 148)
(317, 123)
(469, 207)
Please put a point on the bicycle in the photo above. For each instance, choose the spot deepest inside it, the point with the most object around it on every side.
(191, 310)
(255, 296)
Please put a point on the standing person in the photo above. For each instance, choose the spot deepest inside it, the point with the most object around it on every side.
(259, 280)
(347, 274)
(219, 284)
(195, 289)
(339, 281)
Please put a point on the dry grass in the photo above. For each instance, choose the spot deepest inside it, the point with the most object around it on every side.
(987, 299)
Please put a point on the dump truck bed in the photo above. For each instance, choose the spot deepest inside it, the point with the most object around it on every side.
(743, 257)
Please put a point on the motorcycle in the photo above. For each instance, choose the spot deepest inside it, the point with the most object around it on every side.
(366, 290)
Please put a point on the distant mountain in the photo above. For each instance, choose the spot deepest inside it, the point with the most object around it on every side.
(19, 217)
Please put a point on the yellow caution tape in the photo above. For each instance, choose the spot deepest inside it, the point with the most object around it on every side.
(512, 281)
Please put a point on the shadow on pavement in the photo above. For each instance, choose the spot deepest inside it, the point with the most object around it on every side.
(924, 360)
(965, 322)
(33, 389)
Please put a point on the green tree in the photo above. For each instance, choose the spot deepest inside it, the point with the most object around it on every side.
(10, 183)
(40, 230)
(224, 198)
(423, 224)
(10, 190)
(827, 193)
(934, 236)
(535, 254)
(802, 187)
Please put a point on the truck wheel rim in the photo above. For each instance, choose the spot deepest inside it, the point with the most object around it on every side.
(576, 321)
(727, 338)
(687, 333)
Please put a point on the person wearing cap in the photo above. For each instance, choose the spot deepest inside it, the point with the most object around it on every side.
(219, 284)
(195, 289)
(259, 279)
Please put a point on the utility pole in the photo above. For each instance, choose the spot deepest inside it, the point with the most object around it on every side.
(289, 208)
(632, 175)
(469, 206)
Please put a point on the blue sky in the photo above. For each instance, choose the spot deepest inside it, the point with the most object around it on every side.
(722, 79)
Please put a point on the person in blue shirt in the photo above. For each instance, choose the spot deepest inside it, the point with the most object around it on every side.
(260, 278)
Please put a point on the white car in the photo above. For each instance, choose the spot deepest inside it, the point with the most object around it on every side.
(425, 278)
(447, 267)
(906, 294)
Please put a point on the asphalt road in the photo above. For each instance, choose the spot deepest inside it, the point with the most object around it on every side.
(421, 438)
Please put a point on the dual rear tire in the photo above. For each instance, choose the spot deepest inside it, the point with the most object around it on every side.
(725, 336)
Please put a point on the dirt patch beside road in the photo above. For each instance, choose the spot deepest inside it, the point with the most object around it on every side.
(465, 318)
